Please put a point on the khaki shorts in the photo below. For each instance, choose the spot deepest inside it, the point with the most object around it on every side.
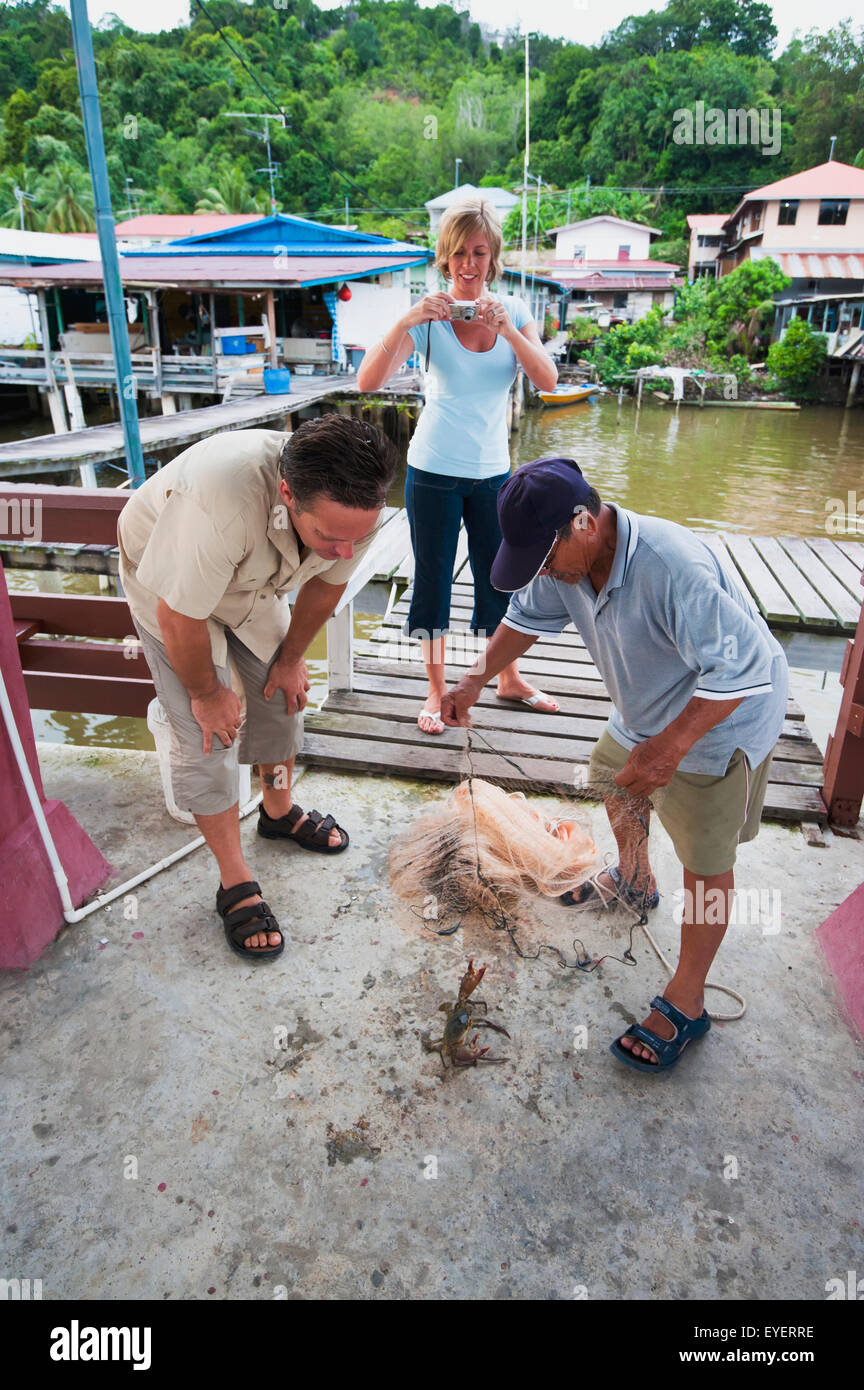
(208, 784)
(706, 818)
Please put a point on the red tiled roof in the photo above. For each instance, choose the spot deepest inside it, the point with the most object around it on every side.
(591, 265)
(829, 180)
(706, 221)
(177, 224)
(211, 271)
(619, 282)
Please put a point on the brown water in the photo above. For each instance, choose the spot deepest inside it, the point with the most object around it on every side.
(759, 472)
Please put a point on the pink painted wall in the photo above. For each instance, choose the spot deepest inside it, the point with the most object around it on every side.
(31, 913)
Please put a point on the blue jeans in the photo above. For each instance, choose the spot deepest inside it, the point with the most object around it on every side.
(436, 503)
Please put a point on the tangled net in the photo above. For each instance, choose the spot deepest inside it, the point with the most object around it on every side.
(483, 848)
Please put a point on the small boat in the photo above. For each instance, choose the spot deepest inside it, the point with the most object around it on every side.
(570, 395)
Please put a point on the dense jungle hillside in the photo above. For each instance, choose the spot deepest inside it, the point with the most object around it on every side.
(382, 96)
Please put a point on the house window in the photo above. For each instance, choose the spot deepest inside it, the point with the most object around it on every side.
(623, 253)
(619, 301)
(788, 213)
(832, 212)
(709, 240)
(578, 253)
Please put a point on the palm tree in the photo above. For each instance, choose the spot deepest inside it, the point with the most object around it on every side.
(230, 192)
(17, 176)
(66, 198)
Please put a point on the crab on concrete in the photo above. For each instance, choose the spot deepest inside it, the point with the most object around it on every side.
(460, 1021)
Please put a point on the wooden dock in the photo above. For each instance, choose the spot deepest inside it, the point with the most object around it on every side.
(373, 726)
(53, 453)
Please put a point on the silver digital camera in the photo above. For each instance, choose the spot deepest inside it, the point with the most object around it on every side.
(463, 309)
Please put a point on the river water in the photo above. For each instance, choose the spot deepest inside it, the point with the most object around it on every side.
(758, 472)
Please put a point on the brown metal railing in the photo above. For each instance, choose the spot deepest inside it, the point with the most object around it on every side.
(78, 652)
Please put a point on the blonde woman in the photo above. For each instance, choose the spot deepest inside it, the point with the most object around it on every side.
(459, 456)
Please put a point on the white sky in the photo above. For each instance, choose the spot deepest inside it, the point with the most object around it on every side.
(583, 20)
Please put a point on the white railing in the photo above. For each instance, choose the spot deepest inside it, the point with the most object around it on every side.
(384, 556)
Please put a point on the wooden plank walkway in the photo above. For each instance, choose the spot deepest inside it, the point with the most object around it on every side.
(373, 728)
(52, 453)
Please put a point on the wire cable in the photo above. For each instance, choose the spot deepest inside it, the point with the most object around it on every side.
(328, 163)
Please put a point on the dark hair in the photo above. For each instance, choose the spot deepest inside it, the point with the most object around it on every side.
(346, 460)
(592, 505)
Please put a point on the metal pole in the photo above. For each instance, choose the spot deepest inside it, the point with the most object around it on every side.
(525, 177)
(90, 114)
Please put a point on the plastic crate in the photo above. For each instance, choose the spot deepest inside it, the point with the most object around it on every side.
(276, 380)
(234, 345)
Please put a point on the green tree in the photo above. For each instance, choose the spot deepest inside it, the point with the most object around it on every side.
(795, 362)
(17, 176)
(65, 199)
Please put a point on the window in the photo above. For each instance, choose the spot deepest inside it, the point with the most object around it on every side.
(620, 301)
(788, 213)
(709, 240)
(832, 212)
(623, 253)
(578, 253)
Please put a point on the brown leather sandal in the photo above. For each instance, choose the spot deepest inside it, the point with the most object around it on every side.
(313, 834)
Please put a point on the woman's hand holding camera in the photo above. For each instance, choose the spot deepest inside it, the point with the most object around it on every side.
(492, 314)
(433, 307)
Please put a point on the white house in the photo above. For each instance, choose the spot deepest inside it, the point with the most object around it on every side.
(500, 199)
(603, 238)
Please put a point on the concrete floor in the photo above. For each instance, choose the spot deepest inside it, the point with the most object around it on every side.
(283, 1121)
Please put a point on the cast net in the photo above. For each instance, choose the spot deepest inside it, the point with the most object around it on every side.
(487, 851)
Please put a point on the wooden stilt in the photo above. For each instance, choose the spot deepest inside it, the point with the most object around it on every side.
(271, 329)
(853, 384)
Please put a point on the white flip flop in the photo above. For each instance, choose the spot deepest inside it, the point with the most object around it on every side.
(532, 700)
(431, 714)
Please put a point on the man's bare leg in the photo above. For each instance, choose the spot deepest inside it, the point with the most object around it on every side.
(705, 898)
(630, 819)
(222, 834)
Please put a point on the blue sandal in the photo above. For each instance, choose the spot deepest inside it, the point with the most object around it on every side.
(666, 1050)
(587, 892)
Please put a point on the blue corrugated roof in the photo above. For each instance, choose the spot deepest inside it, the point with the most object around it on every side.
(286, 236)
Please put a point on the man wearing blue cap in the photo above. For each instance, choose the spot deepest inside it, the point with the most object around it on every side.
(699, 688)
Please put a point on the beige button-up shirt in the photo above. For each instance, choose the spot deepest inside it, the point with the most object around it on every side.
(210, 535)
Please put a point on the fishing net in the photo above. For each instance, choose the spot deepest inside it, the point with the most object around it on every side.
(484, 847)
(489, 851)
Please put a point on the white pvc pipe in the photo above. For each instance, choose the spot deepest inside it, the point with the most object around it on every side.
(71, 914)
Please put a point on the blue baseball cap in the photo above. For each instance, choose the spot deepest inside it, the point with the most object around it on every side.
(533, 505)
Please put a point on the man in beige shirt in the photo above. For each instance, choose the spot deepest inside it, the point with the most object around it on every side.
(210, 547)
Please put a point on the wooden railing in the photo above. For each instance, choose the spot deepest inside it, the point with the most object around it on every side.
(104, 672)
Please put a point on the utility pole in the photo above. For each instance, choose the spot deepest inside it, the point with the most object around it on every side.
(92, 119)
(525, 174)
(833, 143)
(458, 162)
(20, 196)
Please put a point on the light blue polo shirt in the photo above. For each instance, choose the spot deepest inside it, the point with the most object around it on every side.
(463, 427)
(669, 624)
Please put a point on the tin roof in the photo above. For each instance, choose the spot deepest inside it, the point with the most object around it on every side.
(820, 265)
(706, 221)
(213, 272)
(829, 180)
(180, 224)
